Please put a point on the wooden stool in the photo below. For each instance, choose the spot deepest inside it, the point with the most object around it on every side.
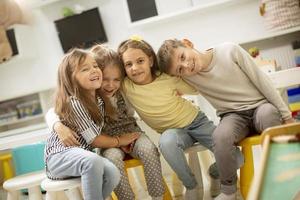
(6, 165)
(247, 170)
(30, 181)
(131, 163)
(71, 187)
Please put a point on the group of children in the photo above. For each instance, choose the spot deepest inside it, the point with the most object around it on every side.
(98, 92)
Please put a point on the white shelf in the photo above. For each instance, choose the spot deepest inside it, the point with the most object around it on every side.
(25, 119)
(272, 34)
(23, 130)
(190, 11)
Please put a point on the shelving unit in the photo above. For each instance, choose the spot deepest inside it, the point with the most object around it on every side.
(20, 112)
(23, 120)
(272, 34)
(207, 7)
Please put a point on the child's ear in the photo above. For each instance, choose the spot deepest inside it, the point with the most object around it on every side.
(187, 43)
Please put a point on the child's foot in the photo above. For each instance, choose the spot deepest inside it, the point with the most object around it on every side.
(215, 185)
(224, 196)
(193, 194)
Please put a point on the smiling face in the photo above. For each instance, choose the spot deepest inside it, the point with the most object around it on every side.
(88, 75)
(137, 66)
(111, 80)
(185, 62)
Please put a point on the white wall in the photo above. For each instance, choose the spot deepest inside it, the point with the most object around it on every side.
(237, 21)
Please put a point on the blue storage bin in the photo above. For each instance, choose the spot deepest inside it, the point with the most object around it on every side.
(28, 158)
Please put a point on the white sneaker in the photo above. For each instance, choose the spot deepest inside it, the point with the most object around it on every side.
(224, 196)
(215, 187)
(193, 194)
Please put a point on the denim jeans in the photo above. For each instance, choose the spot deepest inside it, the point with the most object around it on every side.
(173, 142)
(98, 175)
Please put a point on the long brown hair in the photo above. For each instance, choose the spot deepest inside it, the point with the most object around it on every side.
(145, 47)
(68, 87)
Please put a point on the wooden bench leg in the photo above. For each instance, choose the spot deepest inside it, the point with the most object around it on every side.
(167, 194)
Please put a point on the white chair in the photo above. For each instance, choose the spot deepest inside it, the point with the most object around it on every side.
(54, 188)
(194, 163)
(30, 181)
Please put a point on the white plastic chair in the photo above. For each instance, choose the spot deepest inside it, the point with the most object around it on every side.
(71, 187)
(30, 181)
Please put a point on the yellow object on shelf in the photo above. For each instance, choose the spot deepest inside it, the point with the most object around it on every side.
(294, 106)
(5, 159)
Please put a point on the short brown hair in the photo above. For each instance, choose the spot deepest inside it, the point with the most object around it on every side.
(165, 53)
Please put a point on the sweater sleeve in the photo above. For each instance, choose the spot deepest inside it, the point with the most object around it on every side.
(183, 87)
(51, 118)
(260, 80)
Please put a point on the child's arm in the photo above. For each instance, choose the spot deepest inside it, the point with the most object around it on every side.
(65, 134)
(183, 87)
(262, 82)
(91, 132)
(129, 107)
(106, 141)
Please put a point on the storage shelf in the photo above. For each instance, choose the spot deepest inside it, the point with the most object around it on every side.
(25, 119)
(194, 9)
(271, 34)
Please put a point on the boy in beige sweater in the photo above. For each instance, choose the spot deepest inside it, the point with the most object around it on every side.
(243, 96)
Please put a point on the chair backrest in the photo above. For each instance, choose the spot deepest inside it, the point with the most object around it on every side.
(28, 158)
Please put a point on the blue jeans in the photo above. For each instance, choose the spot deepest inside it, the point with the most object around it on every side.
(173, 142)
(98, 175)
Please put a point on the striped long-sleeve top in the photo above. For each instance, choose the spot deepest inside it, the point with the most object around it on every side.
(82, 124)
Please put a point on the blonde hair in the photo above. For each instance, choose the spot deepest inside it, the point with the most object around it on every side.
(165, 53)
(68, 87)
(142, 45)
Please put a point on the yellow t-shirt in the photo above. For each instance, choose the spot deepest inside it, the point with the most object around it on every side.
(158, 103)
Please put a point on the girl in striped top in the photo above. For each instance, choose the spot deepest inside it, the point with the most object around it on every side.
(80, 107)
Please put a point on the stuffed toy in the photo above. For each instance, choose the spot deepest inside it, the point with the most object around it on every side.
(10, 14)
(5, 48)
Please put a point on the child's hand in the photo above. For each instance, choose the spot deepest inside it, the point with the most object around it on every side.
(66, 135)
(128, 138)
(288, 121)
(128, 148)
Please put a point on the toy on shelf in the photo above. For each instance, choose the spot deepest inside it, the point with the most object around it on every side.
(266, 65)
